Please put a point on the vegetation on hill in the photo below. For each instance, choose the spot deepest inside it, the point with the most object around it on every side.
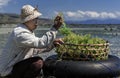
(9, 18)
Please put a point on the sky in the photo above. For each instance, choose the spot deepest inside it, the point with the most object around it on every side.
(71, 9)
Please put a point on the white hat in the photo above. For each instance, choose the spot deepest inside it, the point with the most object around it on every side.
(28, 13)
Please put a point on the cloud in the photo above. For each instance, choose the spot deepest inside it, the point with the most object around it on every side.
(3, 3)
(82, 15)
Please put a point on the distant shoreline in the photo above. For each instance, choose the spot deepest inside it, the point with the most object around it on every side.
(7, 28)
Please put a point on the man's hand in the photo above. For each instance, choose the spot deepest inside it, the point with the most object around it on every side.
(58, 42)
(58, 21)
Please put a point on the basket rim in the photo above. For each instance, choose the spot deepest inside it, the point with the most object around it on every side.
(105, 44)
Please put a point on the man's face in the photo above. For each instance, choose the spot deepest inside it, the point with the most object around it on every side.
(33, 24)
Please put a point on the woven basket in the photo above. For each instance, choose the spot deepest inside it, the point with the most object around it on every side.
(84, 52)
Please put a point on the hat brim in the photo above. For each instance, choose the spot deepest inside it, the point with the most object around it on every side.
(36, 14)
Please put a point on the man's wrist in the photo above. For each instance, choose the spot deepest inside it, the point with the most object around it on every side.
(54, 26)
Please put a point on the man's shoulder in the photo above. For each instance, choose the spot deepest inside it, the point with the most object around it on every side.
(21, 28)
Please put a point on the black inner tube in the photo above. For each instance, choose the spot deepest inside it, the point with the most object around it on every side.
(83, 69)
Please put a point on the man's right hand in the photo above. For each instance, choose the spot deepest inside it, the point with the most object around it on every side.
(58, 42)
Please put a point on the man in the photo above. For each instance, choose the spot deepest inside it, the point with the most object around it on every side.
(16, 60)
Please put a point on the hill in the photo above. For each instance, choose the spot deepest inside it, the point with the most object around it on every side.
(7, 18)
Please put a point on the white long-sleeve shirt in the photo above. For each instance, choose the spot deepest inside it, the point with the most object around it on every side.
(20, 46)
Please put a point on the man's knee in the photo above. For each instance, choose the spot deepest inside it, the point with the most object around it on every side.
(38, 64)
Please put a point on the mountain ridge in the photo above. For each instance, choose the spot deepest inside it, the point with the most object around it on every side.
(8, 18)
(95, 21)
